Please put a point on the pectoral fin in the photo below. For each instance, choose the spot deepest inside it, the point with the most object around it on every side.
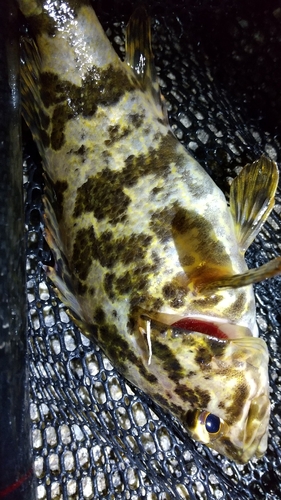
(261, 273)
(140, 58)
(252, 199)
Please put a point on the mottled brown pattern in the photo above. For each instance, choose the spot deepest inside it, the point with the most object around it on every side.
(44, 23)
(116, 132)
(170, 362)
(103, 194)
(82, 288)
(100, 88)
(203, 358)
(186, 221)
(208, 301)
(174, 293)
(197, 397)
(62, 113)
(100, 316)
(119, 351)
(136, 119)
(135, 283)
(108, 285)
(234, 310)
(82, 152)
(160, 222)
(241, 392)
(166, 402)
(156, 161)
(190, 419)
(127, 249)
(84, 252)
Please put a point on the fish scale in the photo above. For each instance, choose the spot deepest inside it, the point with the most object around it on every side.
(142, 237)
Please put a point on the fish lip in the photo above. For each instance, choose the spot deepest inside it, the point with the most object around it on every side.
(258, 445)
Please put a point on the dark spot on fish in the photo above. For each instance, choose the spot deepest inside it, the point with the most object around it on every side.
(100, 87)
(229, 447)
(145, 373)
(54, 192)
(135, 282)
(156, 190)
(198, 398)
(160, 223)
(174, 293)
(151, 162)
(208, 301)
(234, 311)
(102, 194)
(166, 403)
(205, 350)
(170, 363)
(136, 119)
(106, 155)
(191, 232)
(241, 395)
(115, 346)
(157, 136)
(81, 151)
(157, 304)
(127, 249)
(99, 316)
(84, 252)
(61, 114)
(203, 358)
(187, 260)
(191, 418)
(108, 285)
(216, 346)
(81, 288)
(116, 132)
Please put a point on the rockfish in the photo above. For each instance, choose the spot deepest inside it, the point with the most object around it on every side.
(148, 255)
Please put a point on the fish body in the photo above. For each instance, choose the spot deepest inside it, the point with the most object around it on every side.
(148, 255)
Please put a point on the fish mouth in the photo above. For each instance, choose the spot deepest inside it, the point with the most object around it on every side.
(256, 434)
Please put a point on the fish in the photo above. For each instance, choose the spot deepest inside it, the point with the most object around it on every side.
(149, 256)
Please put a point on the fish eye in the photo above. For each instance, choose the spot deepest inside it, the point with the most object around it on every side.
(212, 422)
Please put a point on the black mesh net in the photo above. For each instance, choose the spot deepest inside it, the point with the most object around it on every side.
(94, 435)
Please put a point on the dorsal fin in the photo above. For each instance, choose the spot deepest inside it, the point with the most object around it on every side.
(252, 199)
(140, 58)
(32, 108)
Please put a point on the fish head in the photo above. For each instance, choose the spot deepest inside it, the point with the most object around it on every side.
(218, 387)
(235, 420)
(234, 373)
